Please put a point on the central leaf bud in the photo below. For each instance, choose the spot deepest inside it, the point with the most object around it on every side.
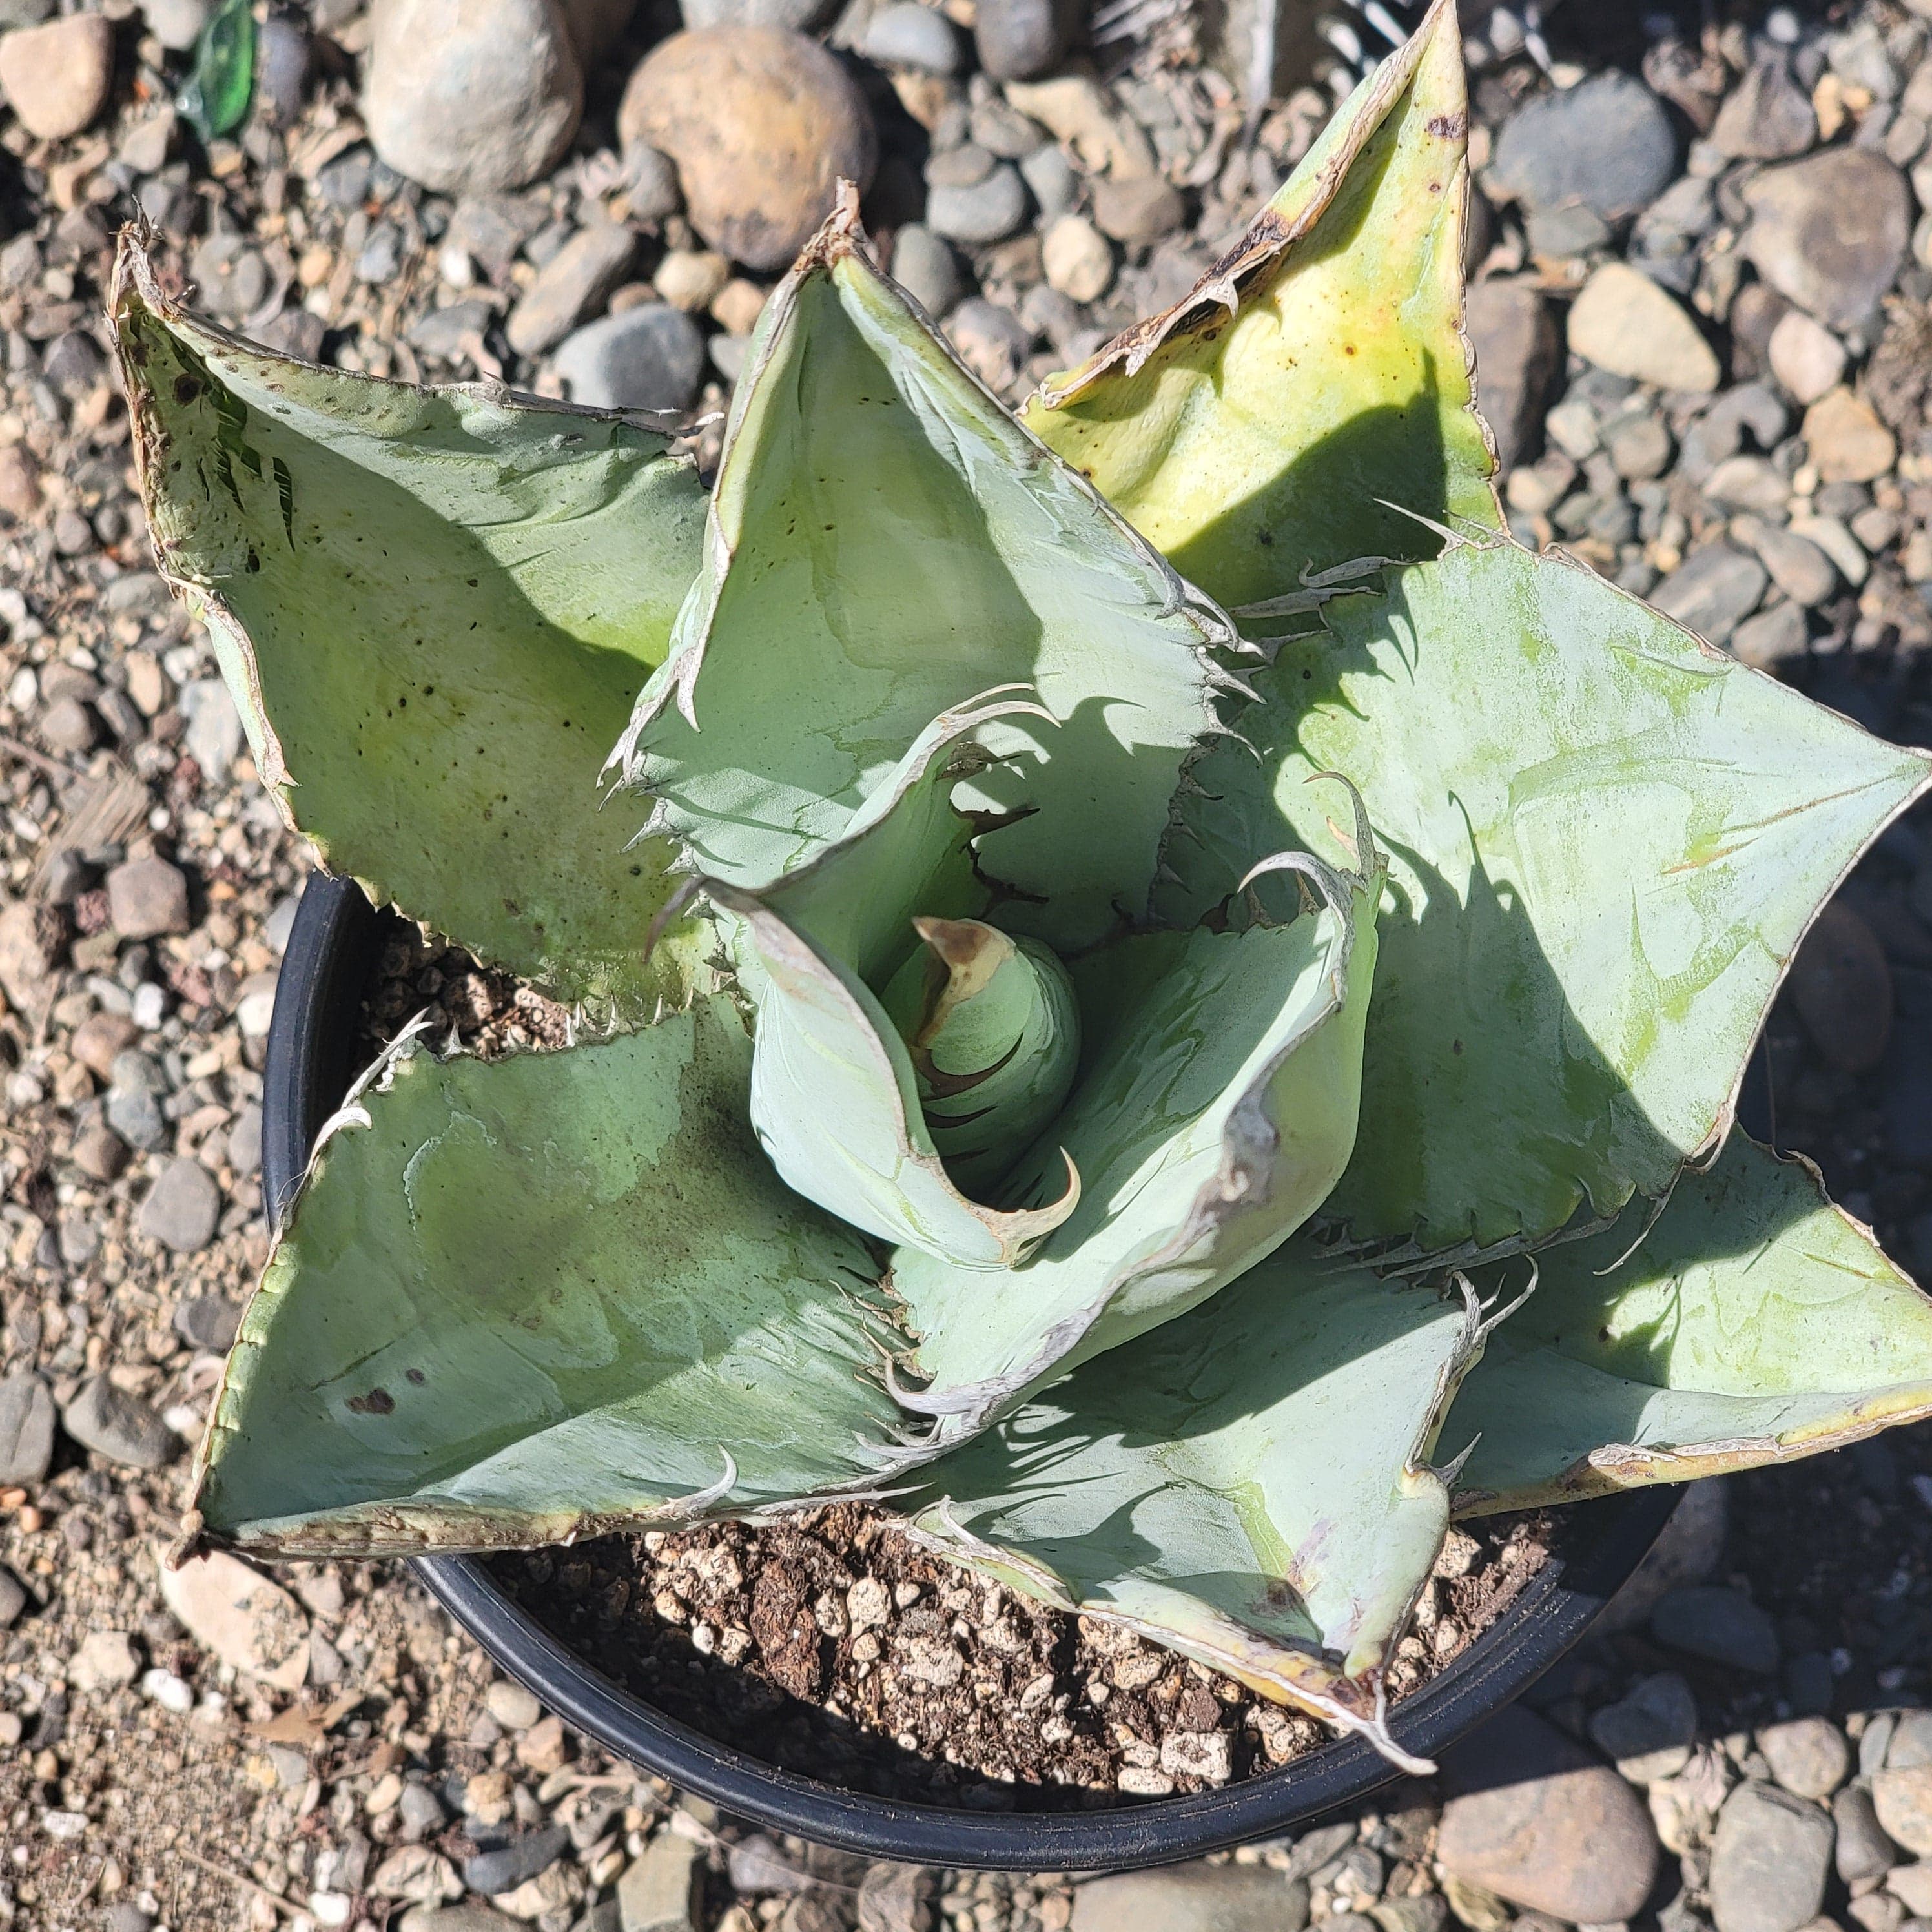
(994, 1031)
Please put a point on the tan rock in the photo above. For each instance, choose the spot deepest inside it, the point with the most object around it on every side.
(241, 1617)
(1078, 263)
(1902, 1796)
(1805, 356)
(1624, 323)
(737, 306)
(1848, 443)
(762, 124)
(692, 279)
(56, 77)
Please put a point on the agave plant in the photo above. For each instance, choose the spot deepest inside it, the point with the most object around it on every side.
(1108, 937)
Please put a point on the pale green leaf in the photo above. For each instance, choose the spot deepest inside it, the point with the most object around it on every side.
(1606, 841)
(540, 1297)
(885, 545)
(434, 608)
(1753, 1323)
(1249, 1485)
(1263, 428)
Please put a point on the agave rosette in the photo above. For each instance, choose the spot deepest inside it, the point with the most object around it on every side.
(1134, 902)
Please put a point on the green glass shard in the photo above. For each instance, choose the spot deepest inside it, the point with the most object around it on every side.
(214, 100)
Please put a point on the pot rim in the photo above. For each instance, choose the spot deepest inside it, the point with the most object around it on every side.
(308, 1067)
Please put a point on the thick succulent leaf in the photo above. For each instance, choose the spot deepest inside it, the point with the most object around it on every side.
(1606, 840)
(885, 544)
(1249, 1485)
(1214, 1111)
(535, 1298)
(1753, 1323)
(1260, 430)
(434, 608)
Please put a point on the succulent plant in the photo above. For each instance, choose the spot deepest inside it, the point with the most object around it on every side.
(1155, 921)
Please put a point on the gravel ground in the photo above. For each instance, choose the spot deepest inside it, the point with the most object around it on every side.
(1739, 429)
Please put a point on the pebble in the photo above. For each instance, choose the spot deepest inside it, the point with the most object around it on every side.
(105, 1661)
(1863, 1850)
(12, 1598)
(241, 1617)
(468, 1915)
(176, 24)
(650, 357)
(182, 1208)
(68, 728)
(1798, 566)
(1767, 116)
(1639, 446)
(20, 482)
(991, 341)
(891, 1898)
(1624, 322)
(56, 77)
(978, 213)
(1808, 1756)
(799, 15)
(208, 1322)
(214, 736)
(658, 1892)
(133, 1103)
(1017, 40)
(1193, 1898)
(119, 1426)
(757, 1864)
(1607, 145)
(1137, 211)
(1518, 354)
(1902, 1796)
(471, 96)
(1539, 1823)
(926, 267)
(172, 1692)
(576, 281)
(512, 1706)
(1841, 986)
(1848, 443)
(147, 897)
(1805, 356)
(1769, 1861)
(1078, 261)
(1712, 590)
(1649, 1732)
(26, 1429)
(1830, 232)
(1050, 177)
(761, 124)
(1746, 482)
(905, 34)
(526, 1856)
(692, 279)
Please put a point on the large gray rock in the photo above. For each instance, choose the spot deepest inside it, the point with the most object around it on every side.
(471, 96)
(182, 1207)
(1830, 232)
(119, 1426)
(1768, 117)
(1018, 40)
(1193, 1898)
(1648, 1732)
(1607, 145)
(1768, 1861)
(1537, 1821)
(1518, 353)
(978, 213)
(26, 1429)
(658, 1892)
(575, 282)
(1713, 590)
(646, 358)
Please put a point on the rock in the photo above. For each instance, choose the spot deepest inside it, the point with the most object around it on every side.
(214, 736)
(1193, 1898)
(512, 1706)
(904, 33)
(1207, 1755)
(105, 1661)
(20, 482)
(1768, 116)
(575, 282)
(26, 1429)
(526, 1856)
(1138, 211)
(1771, 638)
(1518, 353)
(99, 1038)
(1538, 1822)
(1830, 232)
(1639, 446)
(1808, 1756)
(758, 1863)
(414, 1873)
(1648, 1734)
(1017, 40)
(1769, 1860)
(926, 267)
(1624, 322)
(1712, 590)
(1841, 986)
(117, 1425)
(471, 96)
(1864, 1851)
(798, 15)
(12, 1598)
(208, 1322)
(983, 212)
(692, 279)
(761, 124)
(1723, 1626)
(176, 24)
(1607, 145)
(30, 943)
(181, 1208)
(650, 357)
(992, 341)
(240, 1617)
(56, 77)
(1848, 443)
(1902, 1797)
(68, 728)
(1745, 482)
(147, 897)
(99, 1153)
(470, 1914)
(1798, 566)
(1078, 261)
(658, 1891)
(1050, 177)
(891, 1898)
(1805, 356)
(282, 54)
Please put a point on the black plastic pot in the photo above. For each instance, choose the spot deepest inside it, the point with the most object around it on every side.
(311, 1045)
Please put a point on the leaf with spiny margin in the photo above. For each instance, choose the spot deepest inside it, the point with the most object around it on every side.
(885, 543)
(1606, 842)
(1214, 1110)
(1249, 1485)
(434, 608)
(537, 1298)
(1260, 446)
(1754, 1323)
